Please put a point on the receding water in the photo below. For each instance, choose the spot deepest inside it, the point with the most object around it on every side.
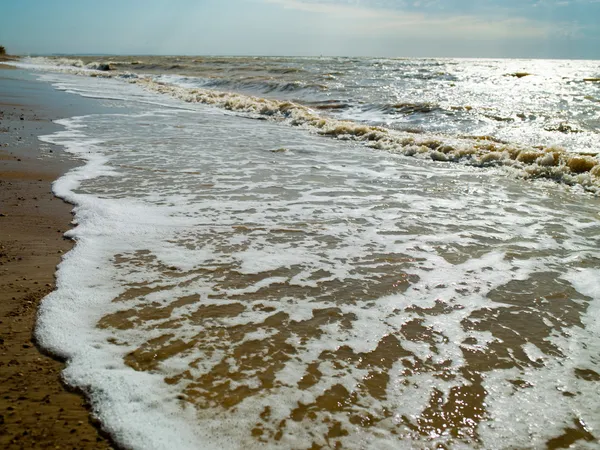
(241, 283)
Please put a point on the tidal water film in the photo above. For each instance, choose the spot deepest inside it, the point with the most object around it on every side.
(332, 252)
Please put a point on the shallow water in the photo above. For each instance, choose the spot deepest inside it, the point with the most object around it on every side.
(533, 102)
(243, 283)
(539, 123)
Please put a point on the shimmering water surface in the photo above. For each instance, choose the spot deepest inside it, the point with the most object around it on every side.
(244, 283)
(538, 118)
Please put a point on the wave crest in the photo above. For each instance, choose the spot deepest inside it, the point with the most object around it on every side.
(553, 163)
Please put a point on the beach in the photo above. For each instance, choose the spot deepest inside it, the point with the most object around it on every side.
(38, 410)
(303, 252)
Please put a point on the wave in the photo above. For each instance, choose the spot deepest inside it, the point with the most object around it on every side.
(67, 63)
(550, 162)
(264, 85)
(329, 105)
(405, 108)
(426, 75)
(536, 162)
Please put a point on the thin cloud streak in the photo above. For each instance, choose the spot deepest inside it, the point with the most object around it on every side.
(378, 21)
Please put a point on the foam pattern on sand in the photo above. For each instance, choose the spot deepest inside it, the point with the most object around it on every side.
(243, 284)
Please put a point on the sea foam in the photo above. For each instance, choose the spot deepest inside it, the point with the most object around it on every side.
(546, 162)
(224, 294)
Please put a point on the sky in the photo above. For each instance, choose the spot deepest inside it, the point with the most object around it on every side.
(393, 28)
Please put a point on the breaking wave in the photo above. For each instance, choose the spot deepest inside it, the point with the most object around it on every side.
(530, 162)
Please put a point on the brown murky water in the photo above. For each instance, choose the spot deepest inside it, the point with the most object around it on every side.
(521, 313)
(239, 283)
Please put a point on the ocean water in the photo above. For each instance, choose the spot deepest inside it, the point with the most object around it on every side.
(539, 119)
(332, 253)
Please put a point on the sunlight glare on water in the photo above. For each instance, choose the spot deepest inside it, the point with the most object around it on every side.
(240, 283)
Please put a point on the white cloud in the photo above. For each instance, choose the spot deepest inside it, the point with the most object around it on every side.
(378, 21)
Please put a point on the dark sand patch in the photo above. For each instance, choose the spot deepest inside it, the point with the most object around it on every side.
(36, 409)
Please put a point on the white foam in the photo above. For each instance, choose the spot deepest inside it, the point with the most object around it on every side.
(325, 212)
(523, 159)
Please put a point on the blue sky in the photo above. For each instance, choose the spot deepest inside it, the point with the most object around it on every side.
(461, 28)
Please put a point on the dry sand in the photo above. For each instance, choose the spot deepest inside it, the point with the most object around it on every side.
(36, 409)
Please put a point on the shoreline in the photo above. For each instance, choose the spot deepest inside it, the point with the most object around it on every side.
(504, 243)
(37, 410)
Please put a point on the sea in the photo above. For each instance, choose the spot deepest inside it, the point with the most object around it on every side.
(327, 253)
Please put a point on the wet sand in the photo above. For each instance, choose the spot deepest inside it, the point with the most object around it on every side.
(36, 408)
